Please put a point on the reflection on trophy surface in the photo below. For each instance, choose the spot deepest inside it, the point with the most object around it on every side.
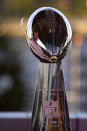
(49, 37)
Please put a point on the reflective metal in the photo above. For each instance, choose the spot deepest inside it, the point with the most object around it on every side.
(49, 37)
(50, 87)
(48, 34)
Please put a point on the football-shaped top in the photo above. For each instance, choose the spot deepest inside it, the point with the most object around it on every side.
(48, 34)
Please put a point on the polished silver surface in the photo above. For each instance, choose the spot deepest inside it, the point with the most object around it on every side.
(48, 34)
(50, 87)
(49, 37)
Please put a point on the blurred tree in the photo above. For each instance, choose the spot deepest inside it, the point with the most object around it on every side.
(15, 7)
(11, 87)
(21, 7)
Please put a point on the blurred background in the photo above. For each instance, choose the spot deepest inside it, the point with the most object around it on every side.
(18, 67)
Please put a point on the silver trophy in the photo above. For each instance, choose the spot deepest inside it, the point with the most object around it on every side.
(49, 37)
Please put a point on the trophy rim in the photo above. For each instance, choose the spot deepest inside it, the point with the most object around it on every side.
(63, 49)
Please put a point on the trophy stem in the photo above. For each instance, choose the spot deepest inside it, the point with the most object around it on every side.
(50, 110)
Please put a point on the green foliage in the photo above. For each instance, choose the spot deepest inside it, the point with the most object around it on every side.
(12, 99)
(20, 7)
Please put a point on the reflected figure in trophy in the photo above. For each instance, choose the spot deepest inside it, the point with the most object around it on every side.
(49, 37)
